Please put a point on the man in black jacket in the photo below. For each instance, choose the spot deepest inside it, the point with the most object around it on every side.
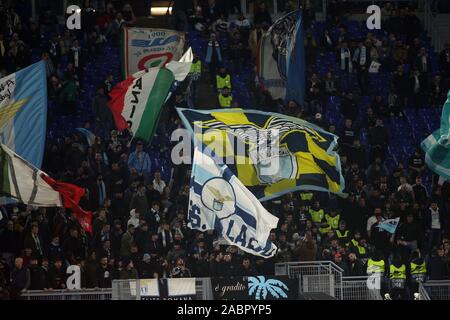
(104, 274)
(57, 275)
(355, 267)
(20, 279)
(246, 269)
(38, 276)
(438, 268)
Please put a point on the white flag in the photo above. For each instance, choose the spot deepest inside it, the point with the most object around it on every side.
(219, 201)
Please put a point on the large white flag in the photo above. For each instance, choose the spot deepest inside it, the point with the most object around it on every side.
(22, 181)
(219, 201)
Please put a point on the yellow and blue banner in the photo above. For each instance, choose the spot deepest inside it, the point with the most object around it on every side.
(305, 154)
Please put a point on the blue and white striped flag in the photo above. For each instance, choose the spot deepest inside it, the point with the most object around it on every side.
(389, 225)
(437, 145)
(219, 201)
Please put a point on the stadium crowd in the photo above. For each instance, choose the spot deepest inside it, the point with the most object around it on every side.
(139, 224)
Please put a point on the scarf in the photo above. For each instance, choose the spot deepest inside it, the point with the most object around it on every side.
(178, 231)
(361, 53)
(165, 237)
(101, 192)
(328, 39)
(363, 56)
(76, 57)
(346, 62)
(209, 53)
(38, 243)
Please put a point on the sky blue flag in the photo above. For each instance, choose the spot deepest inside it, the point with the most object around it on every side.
(295, 62)
(90, 137)
(23, 112)
(389, 225)
(437, 145)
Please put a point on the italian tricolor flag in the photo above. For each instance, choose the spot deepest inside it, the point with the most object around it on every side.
(25, 183)
(137, 102)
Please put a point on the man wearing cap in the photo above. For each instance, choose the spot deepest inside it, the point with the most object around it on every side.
(147, 268)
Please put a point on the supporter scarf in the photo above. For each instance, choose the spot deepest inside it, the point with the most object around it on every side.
(165, 237)
(209, 53)
(362, 56)
(346, 62)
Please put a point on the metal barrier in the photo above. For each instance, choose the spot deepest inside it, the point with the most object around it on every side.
(423, 294)
(86, 294)
(437, 290)
(315, 277)
(356, 288)
(131, 289)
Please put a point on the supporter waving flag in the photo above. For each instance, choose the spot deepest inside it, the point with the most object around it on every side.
(137, 102)
(25, 183)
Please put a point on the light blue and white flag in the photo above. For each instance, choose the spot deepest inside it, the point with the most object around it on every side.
(219, 201)
(90, 137)
(389, 225)
(437, 145)
(23, 112)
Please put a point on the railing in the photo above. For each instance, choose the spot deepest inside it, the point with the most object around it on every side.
(423, 294)
(356, 288)
(86, 294)
(315, 277)
(437, 290)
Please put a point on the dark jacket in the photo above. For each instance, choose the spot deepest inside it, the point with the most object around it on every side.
(104, 277)
(438, 268)
(38, 278)
(355, 269)
(20, 278)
